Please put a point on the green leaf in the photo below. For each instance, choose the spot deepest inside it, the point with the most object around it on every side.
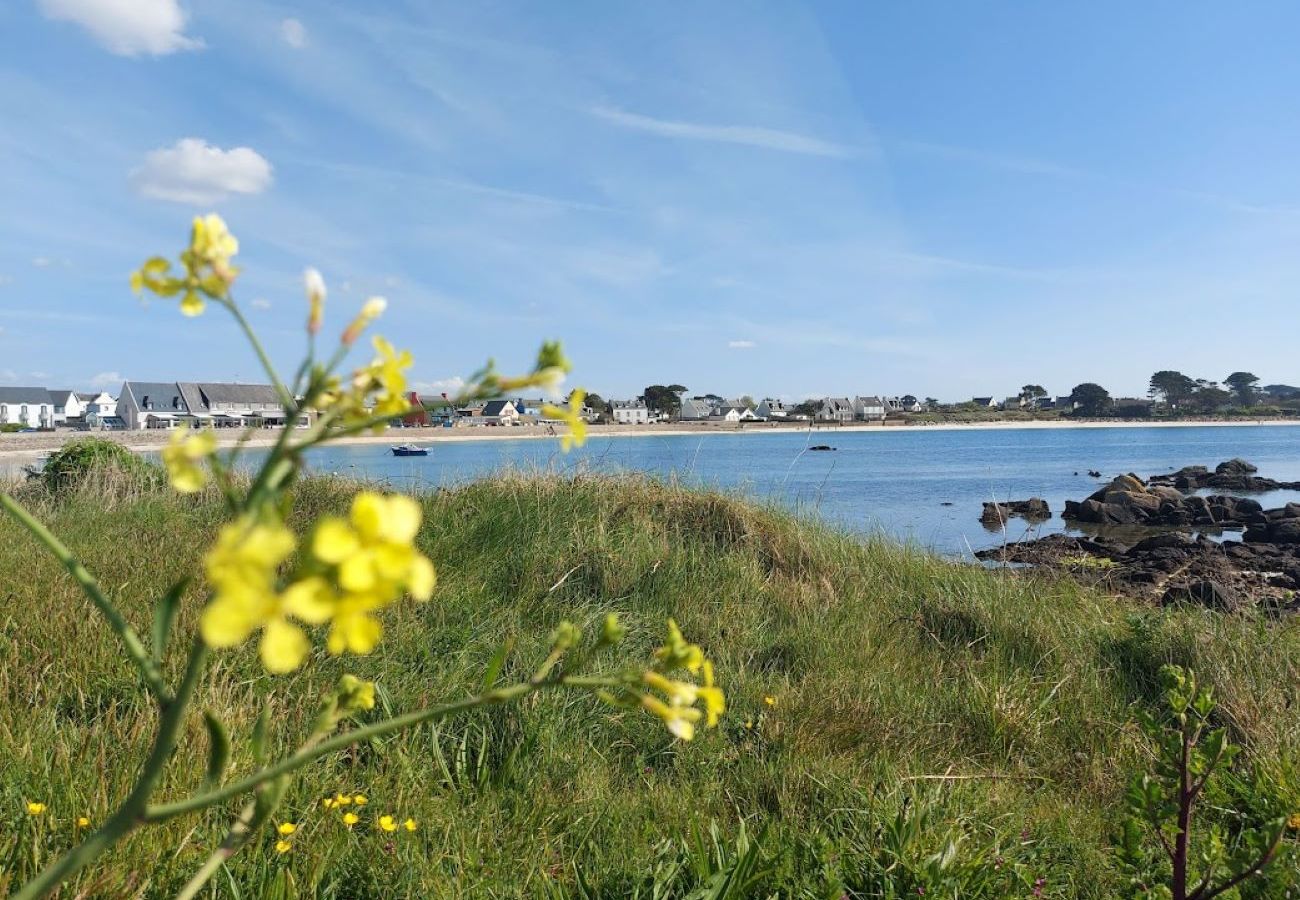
(164, 615)
(218, 748)
(259, 735)
(498, 660)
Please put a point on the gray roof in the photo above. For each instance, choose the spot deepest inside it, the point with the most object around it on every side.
(627, 404)
(161, 396)
(871, 401)
(227, 392)
(497, 407)
(25, 395)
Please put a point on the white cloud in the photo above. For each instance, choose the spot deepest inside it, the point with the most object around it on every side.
(294, 33)
(6, 279)
(49, 262)
(39, 376)
(260, 303)
(195, 172)
(748, 135)
(451, 386)
(127, 27)
(105, 380)
(741, 345)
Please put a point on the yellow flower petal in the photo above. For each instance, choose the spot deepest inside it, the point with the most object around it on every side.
(422, 579)
(409, 825)
(387, 823)
(283, 646)
(334, 541)
(310, 600)
(283, 847)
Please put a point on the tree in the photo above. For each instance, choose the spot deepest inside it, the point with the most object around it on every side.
(663, 398)
(1209, 397)
(1090, 399)
(807, 408)
(1032, 392)
(1174, 388)
(1243, 385)
(598, 405)
(747, 402)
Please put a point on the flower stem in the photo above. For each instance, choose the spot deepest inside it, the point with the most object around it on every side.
(134, 646)
(131, 814)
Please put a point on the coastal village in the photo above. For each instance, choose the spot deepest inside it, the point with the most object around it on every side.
(149, 405)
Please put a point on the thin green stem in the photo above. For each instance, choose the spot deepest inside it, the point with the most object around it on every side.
(132, 813)
(286, 399)
(134, 646)
(342, 741)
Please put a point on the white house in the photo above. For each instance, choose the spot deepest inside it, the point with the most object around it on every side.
(986, 402)
(696, 408)
(906, 403)
(868, 409)
(155, 404)
(30, 407)
(835, 409)
(500, 412)
(67, 405)
(772, 409)
(630, 412)
(96, 408)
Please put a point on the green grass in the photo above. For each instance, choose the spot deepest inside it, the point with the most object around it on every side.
(916, 702)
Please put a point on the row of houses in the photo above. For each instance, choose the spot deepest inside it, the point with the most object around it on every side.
(38, 407)
(141, 405)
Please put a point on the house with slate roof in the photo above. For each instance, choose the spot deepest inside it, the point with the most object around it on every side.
(31, 407)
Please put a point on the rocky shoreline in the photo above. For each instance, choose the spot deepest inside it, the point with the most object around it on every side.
(1151, 538)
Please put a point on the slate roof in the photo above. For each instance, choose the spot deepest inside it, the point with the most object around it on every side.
(25, 395)
(497, 407)
(627, 404)
(160, 395)
(227, 392)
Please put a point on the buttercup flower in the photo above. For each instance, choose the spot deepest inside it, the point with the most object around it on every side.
(387, 823)
(283, 847)
(769, 700)
(350, 819)
(576, 436)
(35, 809)
(410, 825)
(360, 800)
(83, 822)
(184, 456)
(286, 828)
(1293, 821)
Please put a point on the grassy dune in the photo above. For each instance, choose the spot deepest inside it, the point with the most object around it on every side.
(916, 703)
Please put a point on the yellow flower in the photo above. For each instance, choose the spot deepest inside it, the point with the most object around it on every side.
(386, 376)
(350, 819)
(360, 800)
(374, 562)
(242, 568)
(679, 719)
(1293, 821)
(770, 700)
(576, 436)
(184, 456)
(286, 828)
(83, 822)
(342, 800)
(680, 714)
(35, 809)
(371, 310)
(283, 847)
(328, 803)
(387, 823)
(410, 825)
(314, 285)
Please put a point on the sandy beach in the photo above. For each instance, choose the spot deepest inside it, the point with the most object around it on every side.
(21, 448)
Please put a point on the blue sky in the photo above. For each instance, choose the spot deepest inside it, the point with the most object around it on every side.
(790, 199)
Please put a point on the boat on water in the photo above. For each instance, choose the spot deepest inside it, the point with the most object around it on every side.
(409, 450)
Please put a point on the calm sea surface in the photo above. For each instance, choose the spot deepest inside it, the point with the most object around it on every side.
(896, 481)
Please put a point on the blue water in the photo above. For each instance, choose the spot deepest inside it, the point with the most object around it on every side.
(890, 481)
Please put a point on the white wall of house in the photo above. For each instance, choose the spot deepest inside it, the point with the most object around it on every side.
(29, 415)
(67, 406)
(631, 415)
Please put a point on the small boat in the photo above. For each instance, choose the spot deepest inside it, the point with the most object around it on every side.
(409, 450)
(822, 447)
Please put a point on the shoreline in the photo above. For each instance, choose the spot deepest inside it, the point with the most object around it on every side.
(16, 449)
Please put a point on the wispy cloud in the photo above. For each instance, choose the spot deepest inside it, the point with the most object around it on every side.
(195, 172)
(149, 27)
(745, 135)
(741, 345)
(1022, 164)
(294, 33)
(105, 380)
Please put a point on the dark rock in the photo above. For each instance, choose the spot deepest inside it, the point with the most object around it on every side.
(1034, 509)
(1284, 531)
(1163, 541)
(1236, 466)
(1207, 593)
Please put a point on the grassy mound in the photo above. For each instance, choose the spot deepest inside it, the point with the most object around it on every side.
(916, 704)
